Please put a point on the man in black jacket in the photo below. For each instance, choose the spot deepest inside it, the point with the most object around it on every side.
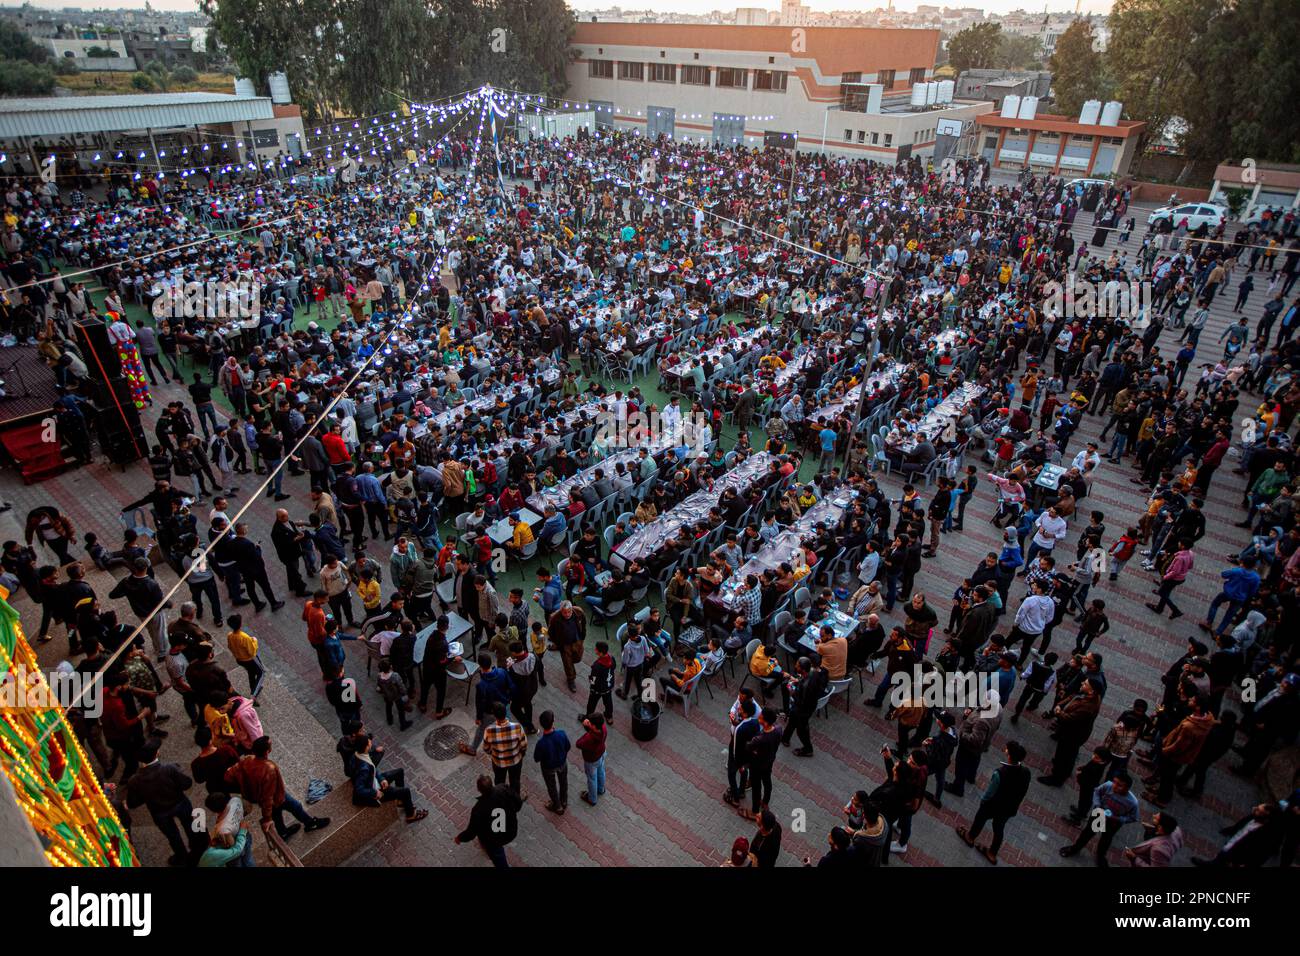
(143, 594)
(161, 788)
(252, 569)
(1000, 802)
(494, 821)
(939, 749)
(806, 689)
(287, 539)
(761, 758)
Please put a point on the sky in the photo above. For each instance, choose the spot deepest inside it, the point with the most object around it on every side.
(674, 6)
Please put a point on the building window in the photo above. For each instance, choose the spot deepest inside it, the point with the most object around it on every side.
(854, 76)
(695, 56)
(886, 79)
(695, 75)
(601, 69)
(848, 136)
(875, 139)
(771, 59)
(733, 77)
(889, 139)
(862, 136)
(663, 72)
(774, 80)
(631, 71)
(917, 75)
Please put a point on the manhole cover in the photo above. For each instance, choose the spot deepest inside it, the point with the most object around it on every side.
(444, 743)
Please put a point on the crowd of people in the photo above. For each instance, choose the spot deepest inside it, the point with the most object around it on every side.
(839, 368)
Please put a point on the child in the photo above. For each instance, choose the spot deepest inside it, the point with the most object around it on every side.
(1093, 624)
(100, 555)
(243, 646)
(1089, 777)
(537, 641)
(393, 689)
(368, 591)
(1122, 551)
(960, 605)
(502, 637)
(1096, 529)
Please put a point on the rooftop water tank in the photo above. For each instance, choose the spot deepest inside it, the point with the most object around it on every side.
(1010, 106)
(874, 93)
(1028, 108)
(1110, 113)
(1090, 113)
(931, 94)
(946, 90)
(244, 86)
(279, 84)
(918, 94)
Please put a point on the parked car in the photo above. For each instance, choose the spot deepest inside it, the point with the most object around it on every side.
(1196, 214)
(1082, 185)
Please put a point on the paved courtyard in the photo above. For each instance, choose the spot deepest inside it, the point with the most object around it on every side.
(664, 802)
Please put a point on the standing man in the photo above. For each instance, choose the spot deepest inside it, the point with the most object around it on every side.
(506, 744)
(1000, 802)
(806, 689)
(1112, 807)
(161, 787)
(568, 630)
(592, 747)
(552, 753)
(494, 821)
(144, 595)
(762, 747)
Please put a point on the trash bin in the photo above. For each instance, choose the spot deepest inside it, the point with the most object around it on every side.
(645, 720)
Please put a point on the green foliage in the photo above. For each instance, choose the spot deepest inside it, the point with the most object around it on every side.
(1018, 52)
(1236, 197)
(142, 82)
(364, 56)
(185, 74)
(65, 67)
(17, 45)
(23, 78)
(101, 53)
(976, 48)
(1076, 67)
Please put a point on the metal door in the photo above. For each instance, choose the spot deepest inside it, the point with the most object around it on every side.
(728, 129)
(660, 121)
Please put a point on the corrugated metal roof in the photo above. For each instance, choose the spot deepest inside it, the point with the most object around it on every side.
(69, 115)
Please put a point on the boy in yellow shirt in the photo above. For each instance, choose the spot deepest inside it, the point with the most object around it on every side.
(243, 647)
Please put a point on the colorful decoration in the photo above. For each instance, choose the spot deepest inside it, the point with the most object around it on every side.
(52, 781)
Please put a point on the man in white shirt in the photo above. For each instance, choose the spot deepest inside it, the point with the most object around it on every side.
(1035, 613)
(1087, 458)
(1048, 529)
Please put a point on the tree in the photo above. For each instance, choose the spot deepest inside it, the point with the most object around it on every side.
(17, 45)
(142, 82)
(23, 78)
(1076, 68)
(976, 47)
(1016, 51)
(1150, 57)
(1248, 110)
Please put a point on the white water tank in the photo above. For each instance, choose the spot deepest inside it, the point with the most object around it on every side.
(279, 84)
(1110, 113)
(946, 90)
(244, 86)
(1010, 106)
(931, 93)
(1090, 113)
(1028, 108)
(874, 93)
(918, 94)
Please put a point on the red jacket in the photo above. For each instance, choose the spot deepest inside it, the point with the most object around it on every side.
(335, 448)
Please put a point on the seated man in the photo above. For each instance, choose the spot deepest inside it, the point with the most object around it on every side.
(521, 535)
(372, 786)
(834, 652)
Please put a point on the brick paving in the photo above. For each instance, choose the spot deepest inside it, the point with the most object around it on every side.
(663, 807)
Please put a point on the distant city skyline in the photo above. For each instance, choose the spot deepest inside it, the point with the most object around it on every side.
(697, 7)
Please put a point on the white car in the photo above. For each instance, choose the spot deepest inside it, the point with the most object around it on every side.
(1082, 185)
(1196, 214)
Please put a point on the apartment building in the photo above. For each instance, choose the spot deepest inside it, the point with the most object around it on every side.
(845, 90)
